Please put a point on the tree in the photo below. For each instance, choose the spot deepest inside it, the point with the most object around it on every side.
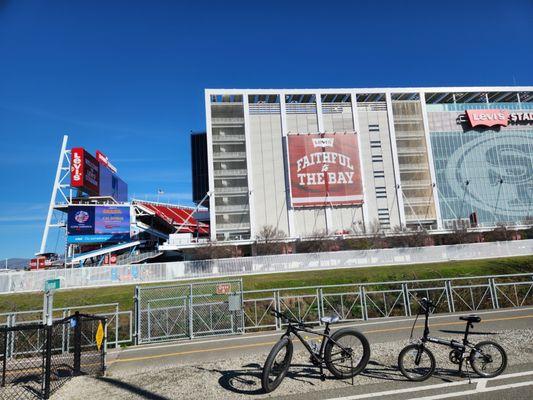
(212, 251)
(316, 243)
(498, 234)
(404, 237)
(460, 234)
(270, 241)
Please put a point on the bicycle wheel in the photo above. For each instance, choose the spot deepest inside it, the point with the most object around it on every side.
(488, 359)
(416, 362)
(277, 364)
(350, 359)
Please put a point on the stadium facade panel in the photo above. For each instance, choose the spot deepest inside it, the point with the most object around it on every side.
(315, 161)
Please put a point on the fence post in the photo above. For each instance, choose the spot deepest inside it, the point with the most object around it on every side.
(4, 361)
(494, 293)
(48, 361)
(362, 296)
(137, 316)
(406, 301)
(319, 305)
(104, 344)
(449, 294)
(191, 313)
(116, 326)
(77, 343)
(278, 307)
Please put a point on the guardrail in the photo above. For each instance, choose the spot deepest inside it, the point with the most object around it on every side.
(26, 281)
(386, 299)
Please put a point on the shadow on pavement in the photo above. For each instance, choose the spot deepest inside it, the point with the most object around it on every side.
(247, 380)
(145, 394)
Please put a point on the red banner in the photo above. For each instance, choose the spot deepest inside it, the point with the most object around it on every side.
(84, 171)
(325, 169)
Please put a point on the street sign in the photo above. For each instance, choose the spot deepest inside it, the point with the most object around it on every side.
(52, 284)
(99, 335)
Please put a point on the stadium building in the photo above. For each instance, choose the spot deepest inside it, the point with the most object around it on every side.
(339, 161)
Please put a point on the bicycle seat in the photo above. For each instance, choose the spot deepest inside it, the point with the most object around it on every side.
(329, 320)
(471, 318)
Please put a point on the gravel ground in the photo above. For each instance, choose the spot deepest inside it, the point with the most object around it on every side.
(234, 378)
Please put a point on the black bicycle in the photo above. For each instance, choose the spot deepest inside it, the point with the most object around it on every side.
(417, 363)
(345, 353)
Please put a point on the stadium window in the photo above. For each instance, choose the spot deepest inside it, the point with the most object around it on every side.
(375, 144)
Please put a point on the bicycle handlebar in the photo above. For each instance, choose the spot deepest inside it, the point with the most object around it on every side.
(286, 317)
(427, 304)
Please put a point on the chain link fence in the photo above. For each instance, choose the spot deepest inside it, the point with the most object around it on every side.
(187, 311)
(119, 324)
(34, 362)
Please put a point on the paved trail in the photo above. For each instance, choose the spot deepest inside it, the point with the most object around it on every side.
(229, 368)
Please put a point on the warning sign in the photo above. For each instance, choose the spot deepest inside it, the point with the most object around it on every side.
(99, 335)
(223, 288)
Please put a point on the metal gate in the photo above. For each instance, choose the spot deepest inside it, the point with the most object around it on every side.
(188, 310)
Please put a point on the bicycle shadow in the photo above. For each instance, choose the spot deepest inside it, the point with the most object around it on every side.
(247, 380)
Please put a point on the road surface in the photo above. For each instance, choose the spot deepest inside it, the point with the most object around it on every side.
(228, 368)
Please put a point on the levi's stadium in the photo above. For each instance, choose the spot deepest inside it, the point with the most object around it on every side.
(311, 163)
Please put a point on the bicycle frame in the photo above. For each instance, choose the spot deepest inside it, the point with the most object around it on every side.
(453, 344)
(318, 357)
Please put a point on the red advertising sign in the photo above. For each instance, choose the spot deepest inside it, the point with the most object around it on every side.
(488, 117)
(101, 157)
(325, 169)
(84, 171)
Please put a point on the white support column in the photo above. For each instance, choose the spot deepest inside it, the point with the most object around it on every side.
(288, 194)
(210, 168)
(429, 150)
(320, 120)
(395, 162)
(249, 165)
(355, 117)
(56, 188)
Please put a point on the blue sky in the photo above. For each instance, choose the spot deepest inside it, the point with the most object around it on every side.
(128, 77)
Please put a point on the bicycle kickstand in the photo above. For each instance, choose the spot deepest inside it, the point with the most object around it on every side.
(351, 362)
(467, 371)
(322, 374)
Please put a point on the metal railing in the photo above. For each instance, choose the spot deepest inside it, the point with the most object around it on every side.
(119, 324)
(386, 299)
(26, 281)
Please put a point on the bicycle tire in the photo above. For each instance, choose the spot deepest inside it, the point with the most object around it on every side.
(266, 383)
(479, 369)
(402, 363)
(331, 364)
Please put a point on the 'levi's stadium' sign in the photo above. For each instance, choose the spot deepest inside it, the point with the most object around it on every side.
(84, 171)
(324, 169)
(497, 117)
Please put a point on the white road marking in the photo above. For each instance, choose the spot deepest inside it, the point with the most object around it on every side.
(278, 333)
(482, 384)
(446, 385)
(475, 391)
